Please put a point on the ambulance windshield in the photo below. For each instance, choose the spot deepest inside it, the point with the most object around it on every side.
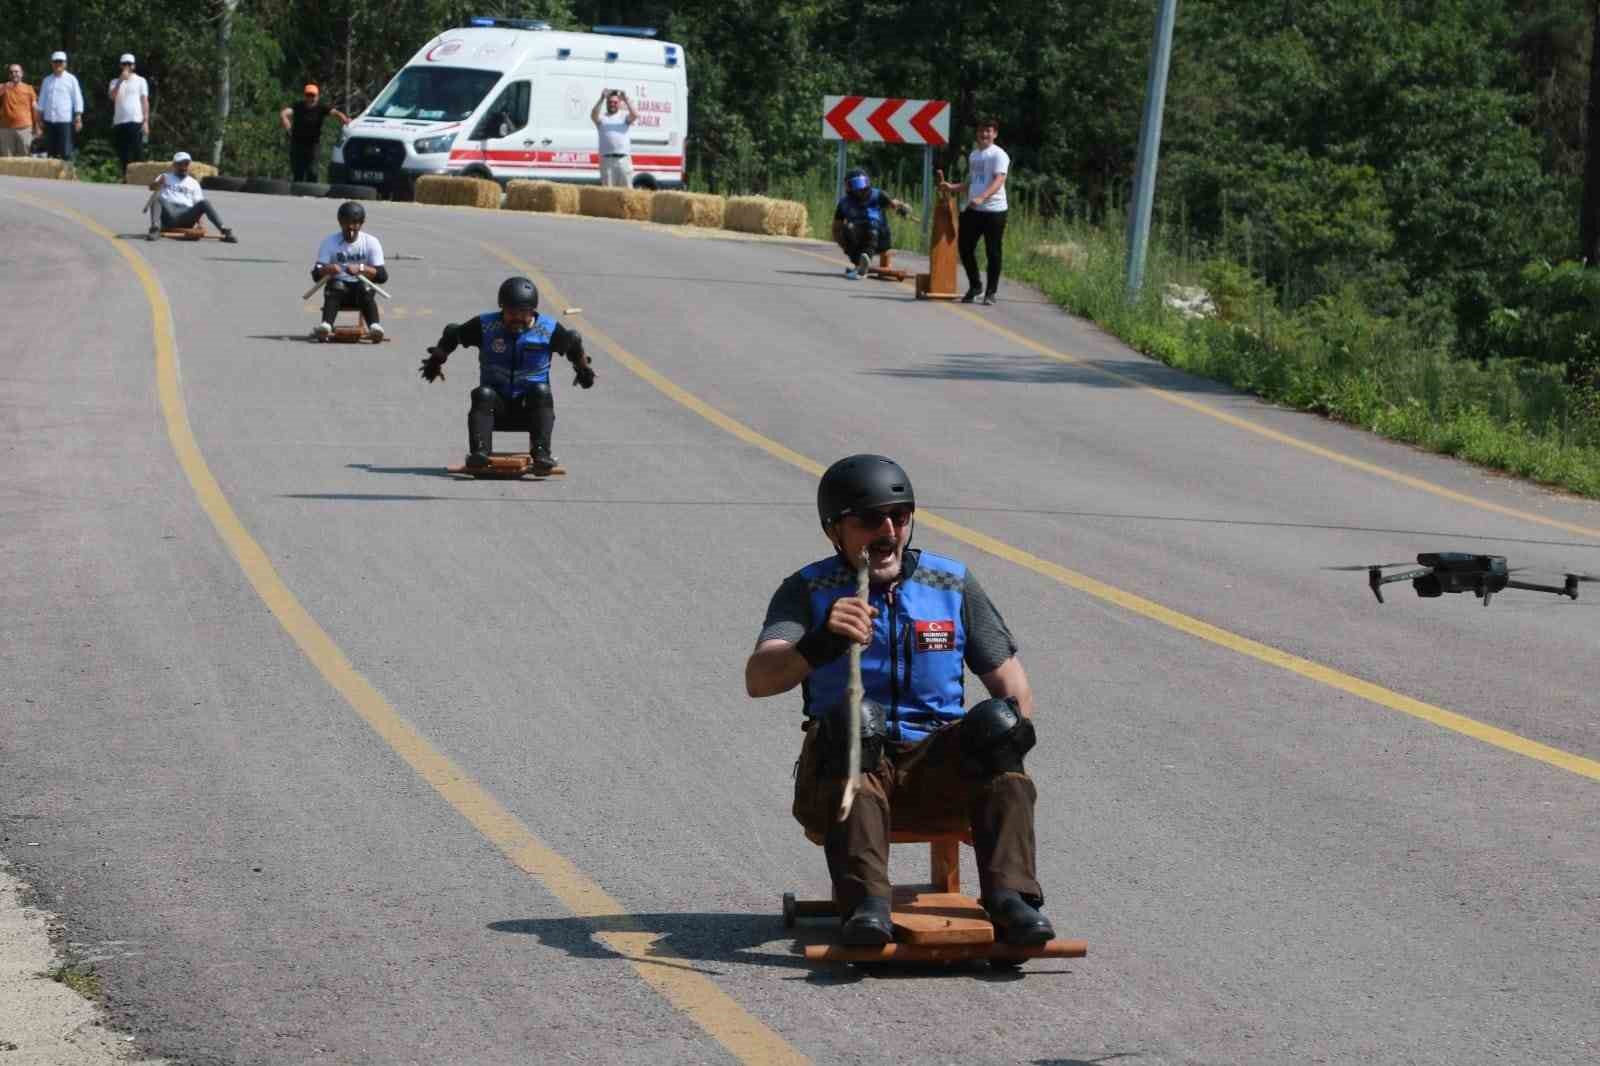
(434, 94)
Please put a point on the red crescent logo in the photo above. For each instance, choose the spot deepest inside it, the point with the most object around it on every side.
(442, 49)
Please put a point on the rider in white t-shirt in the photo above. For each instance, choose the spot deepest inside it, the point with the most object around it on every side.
(344, 258)
(985, 213)
(180, 202)
(616, 152)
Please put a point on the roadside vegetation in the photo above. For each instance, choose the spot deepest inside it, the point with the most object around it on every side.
(1384, 198)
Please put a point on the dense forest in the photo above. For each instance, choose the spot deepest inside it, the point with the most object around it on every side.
(1422, 160)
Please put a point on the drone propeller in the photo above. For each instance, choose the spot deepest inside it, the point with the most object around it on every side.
(1368, 566)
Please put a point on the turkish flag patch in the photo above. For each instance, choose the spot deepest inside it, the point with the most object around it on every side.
(936, 636)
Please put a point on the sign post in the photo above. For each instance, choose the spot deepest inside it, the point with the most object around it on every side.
(888, 120)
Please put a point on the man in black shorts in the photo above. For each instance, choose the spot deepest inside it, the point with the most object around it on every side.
(303, 121)
(927, 764)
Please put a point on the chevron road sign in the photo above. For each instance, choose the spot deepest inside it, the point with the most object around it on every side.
(892, 121)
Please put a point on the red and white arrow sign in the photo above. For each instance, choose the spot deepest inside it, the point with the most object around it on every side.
(885, 119)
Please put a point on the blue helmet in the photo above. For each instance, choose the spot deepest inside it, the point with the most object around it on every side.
(857, 183)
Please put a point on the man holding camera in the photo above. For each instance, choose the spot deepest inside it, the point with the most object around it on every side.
(616, 152)
(926, 763)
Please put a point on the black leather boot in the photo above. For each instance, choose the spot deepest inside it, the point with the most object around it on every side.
(869, 925)
(1016, 921)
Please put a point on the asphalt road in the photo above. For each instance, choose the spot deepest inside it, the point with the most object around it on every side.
(1270, 864)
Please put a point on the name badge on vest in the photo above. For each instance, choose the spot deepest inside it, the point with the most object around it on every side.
(936, 636)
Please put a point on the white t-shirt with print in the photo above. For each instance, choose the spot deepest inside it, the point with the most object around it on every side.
(982, 166)
(127, 107)
(180, 193)
(365, 250)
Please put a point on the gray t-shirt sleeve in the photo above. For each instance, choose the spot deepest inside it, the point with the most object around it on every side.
(789, 613)
(989, 642)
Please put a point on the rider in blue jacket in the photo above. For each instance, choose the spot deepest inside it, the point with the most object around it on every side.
(861, 222)
(928, 761)
(514, 348)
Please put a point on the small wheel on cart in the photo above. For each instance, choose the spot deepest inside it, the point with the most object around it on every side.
(789, 910)
(1006, 965)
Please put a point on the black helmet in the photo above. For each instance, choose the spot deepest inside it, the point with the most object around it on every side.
(519, 292)
(350, 211)
(859, 482)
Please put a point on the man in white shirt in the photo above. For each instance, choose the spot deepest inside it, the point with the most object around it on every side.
(180, 203)
(616, 152)
(60, 108)
(130, 112)
(343, 259)
(985, 213)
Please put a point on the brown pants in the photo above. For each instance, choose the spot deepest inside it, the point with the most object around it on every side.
(918, 788)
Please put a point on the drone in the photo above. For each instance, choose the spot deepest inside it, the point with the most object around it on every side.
(1482, 575)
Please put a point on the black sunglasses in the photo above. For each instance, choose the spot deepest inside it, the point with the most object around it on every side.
(872, 517)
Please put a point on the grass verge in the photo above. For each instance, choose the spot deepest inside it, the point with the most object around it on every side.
(81, 977)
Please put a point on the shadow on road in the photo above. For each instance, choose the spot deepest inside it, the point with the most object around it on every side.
(1034, 370)
(681, 939)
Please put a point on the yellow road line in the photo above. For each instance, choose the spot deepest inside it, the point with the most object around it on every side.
(1312, 671)
(691, 992)
(1248, 426)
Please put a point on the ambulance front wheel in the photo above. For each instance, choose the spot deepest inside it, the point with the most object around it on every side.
(645, 181)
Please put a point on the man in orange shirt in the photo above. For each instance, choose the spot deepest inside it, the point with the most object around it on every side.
(18, 114)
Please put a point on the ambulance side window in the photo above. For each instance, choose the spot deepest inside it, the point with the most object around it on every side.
(507, 115)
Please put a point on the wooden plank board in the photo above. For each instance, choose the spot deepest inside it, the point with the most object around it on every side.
(939, 918)
(1055, 949)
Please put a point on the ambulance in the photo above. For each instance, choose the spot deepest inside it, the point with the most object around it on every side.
(510, 98)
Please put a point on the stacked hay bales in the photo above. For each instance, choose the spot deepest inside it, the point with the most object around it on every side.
(24, 167)
(759, 214)
(688, 209)
(606, 202)
(545, 196)
(145, 173)
(458, 192)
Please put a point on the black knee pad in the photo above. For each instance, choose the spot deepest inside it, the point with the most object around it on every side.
(484, 399)
(835, 739)
(540, 397)
(994, 738)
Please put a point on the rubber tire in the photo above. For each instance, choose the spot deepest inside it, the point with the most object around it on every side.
(267, 186)
(308, 188)
(222, 183)
(789, 909)
(646, 182)
(352, 192)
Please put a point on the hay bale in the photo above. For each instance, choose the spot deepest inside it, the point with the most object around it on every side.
(456, 191)
(547, 196)
(688, 209)
(145, 173)
(610, 202)
(760, 214)
(25, 167)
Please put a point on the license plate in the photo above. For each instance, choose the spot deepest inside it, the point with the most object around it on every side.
(373, 177)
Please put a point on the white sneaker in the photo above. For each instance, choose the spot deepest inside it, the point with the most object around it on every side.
(375, 331)
(323, 331)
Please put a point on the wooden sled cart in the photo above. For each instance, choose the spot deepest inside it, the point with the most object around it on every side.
(933, 923)
(508, 465)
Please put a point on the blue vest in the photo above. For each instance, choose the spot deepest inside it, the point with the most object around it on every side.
(858, 211)
(510, 363)
(913, 667)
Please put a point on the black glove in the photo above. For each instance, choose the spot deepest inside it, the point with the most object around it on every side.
(432, 368)
(903, 211)
(821, 646)
(584, 378)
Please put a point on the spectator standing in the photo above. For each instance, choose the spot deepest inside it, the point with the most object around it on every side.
(19, 113)
(130, 112)
(985, 213)
(60, 108)
(616, 150)
(303, 120)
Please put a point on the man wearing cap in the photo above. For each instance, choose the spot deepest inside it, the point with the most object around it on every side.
(927, 764)
(180, 203)
(303, 120)
(19, 113)
(60, 108)
(130, 112)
